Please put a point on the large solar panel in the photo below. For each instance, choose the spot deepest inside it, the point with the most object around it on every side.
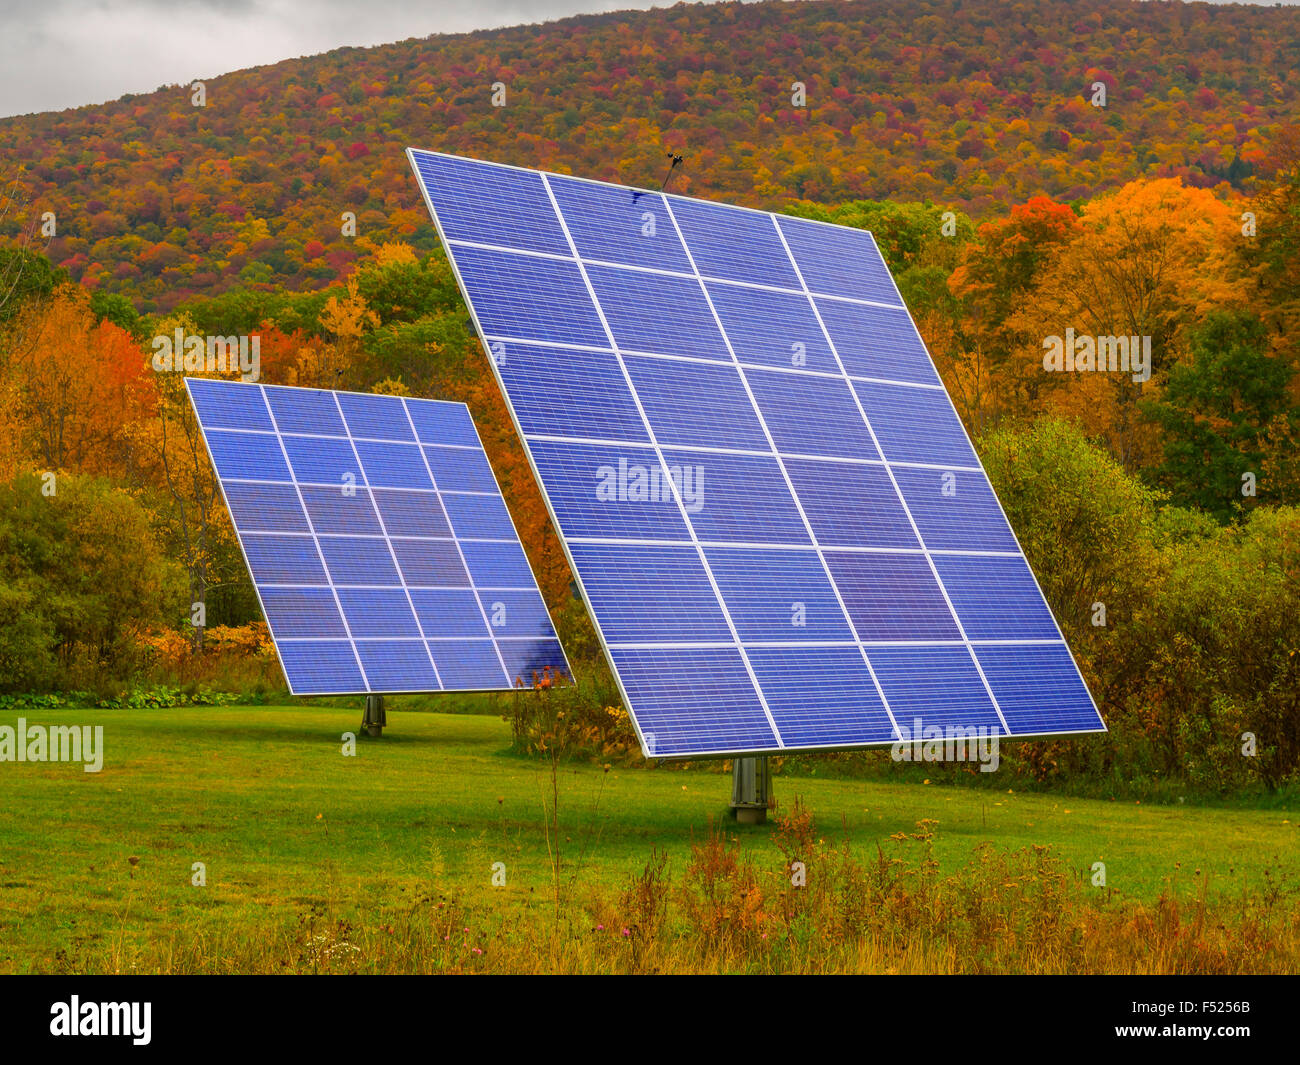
(780, 526)
(378, 541)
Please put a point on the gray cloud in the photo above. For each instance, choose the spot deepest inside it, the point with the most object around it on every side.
(56, 54)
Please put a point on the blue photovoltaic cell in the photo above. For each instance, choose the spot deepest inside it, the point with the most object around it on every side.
(558, 389)
(892, 596)
(362, 584)
(996, 598)
(734, 245)
(609, 492)
(532, 298)
(360, 562)
(527, 660)
(646, 594)
(450, 612)
(378, 612)
(302, 410)
(457, 469)
(430, 563)
(955, 510)
(784, 400)
(220, 408)
(443, 423)
(620, 225)
(390, 465)
(265, 507)
(315, 666)
(737, 498)
(394, 665)
(334, 510)
(850, 504)
(515, 210)
(767, 328)
(657, 313)
(478, 517)
(1017, 676)
(915, 425)
(778, 595)
(470, 664)
(762, 485)
(376, 417)
(407, 513)
(303, 613)
(838, 261)
(321, 460)
(518, 615)
(497, 565)
(674, 689)
(877, 342)
(933, 686)
(821, 696)
(695, 404)
(255, 456)
(283, 559)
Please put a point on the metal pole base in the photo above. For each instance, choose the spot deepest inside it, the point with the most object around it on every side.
(375, 719)
(750, 790)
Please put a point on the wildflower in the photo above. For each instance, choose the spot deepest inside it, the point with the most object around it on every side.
(626, 932)
(600, 928)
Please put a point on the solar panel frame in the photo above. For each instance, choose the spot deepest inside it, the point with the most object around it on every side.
(458, 440)
(492, 342)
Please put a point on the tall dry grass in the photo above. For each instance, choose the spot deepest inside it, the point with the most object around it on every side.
(884, 911)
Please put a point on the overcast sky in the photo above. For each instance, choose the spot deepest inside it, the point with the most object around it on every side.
(65, 53)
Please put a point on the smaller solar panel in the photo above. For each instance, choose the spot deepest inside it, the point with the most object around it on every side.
(379, 543)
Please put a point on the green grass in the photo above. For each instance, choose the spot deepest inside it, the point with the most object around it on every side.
(284, 823)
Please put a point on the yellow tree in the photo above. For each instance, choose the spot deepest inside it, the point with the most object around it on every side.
(78, 384)
(1147, 262)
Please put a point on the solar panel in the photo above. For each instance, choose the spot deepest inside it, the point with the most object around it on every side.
(779, 524)
(378, 541)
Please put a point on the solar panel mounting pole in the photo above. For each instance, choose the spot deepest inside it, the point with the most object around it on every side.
(750, 789)
(375, 719)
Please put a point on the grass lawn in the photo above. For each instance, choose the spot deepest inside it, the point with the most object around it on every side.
(284, 822)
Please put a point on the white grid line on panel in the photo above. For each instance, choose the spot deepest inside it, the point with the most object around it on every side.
(628, 541)
(664, 464)
(847, 460)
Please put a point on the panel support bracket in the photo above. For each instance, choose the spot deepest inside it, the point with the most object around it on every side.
(375, 719)
(751, 790)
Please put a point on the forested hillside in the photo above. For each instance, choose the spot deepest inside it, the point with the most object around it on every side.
(1161, 510)
(976, 105)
